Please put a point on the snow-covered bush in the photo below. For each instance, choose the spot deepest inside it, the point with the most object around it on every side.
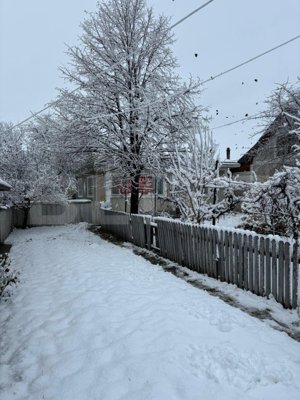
(274, 206)
(190, 175)
(7, 276)
(195, 185)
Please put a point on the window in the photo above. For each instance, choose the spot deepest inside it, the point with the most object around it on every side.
(80, 187)
(90, 186)
(160, 186)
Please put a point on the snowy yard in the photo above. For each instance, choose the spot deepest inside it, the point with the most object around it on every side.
(91, 320)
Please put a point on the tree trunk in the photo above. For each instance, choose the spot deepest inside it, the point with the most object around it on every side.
(134, 201)
(26, 209)
(25, 218)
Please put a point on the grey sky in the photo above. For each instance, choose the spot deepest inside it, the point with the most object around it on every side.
(225, 33)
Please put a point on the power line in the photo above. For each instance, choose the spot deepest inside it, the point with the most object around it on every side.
(254, 116)
(54, 103)
(203, 82)
(190, 14)
(250, 117)
(50, 105)
(252, 59)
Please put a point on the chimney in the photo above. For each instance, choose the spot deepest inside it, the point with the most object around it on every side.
(228, 153)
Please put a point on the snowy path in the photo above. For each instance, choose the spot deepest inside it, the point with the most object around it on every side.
(91, 320)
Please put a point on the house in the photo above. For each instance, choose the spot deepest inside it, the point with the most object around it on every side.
(4, 186)
(111, 191)
(273, 150)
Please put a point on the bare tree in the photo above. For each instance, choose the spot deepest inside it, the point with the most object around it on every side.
(30, 169)
(131, 105)
(191, 174)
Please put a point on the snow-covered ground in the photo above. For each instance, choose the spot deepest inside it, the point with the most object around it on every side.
(91, 320)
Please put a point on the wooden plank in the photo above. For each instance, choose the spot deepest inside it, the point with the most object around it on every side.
(167, 239)
(148, 238)
(173, 231)
(230, 258)
(206, 247)
(192, 248)
(226, 255)
(201, 250)
(215, 253)
(185, 246)
(221, 259)
(170, 239)
(210, 252)
(280, 272)
(250, 271)
(189, 246)
(236, 257)
(295, 275)
(286, 272)
(245, 263)
(177, 247)
(207, 255)
(256, 265)
(198, 248)
(163, 238)
(241, 262)
(274, 284)
(262, 266)
(268, 267)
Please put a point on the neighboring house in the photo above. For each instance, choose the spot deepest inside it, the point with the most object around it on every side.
(4, 186)
(273, 150)
(106, 188)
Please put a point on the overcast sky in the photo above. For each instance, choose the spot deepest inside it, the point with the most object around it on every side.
(33, 34)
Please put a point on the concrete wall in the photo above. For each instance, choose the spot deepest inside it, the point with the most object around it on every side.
(45, 214)
(6, 223)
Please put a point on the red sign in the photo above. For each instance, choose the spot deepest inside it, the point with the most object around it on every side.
(145, 186)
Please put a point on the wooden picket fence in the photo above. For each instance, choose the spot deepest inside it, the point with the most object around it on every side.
(253, 262)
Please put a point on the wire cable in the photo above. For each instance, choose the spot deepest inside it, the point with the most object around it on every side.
(252, 59)
(190, 14)
(52, 104)
(254, 116)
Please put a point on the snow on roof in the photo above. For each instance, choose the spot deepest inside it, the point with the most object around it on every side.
(4, 185)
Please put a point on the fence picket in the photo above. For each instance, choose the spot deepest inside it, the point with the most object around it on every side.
(245, 263)
(236, 258)
(230, 258)
(274, 270)
(241, 262)
(256, 266)
(280, 271)
(250, 271)
(268, 268)
(286, 272)
(295, 272)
